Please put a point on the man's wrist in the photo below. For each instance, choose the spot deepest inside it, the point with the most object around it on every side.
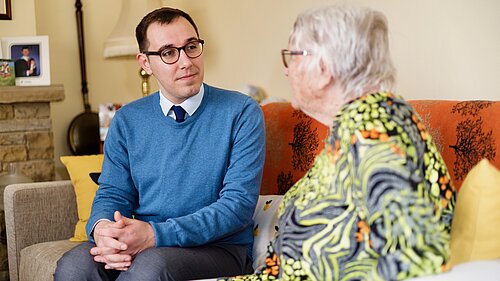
(95, 226)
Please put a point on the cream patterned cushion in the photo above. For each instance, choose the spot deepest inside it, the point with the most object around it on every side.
(265, 226)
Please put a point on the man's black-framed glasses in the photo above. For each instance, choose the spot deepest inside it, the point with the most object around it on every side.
(286, 55)
(171, 55)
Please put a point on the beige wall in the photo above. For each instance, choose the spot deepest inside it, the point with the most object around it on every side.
(447, 49)
(23, 23)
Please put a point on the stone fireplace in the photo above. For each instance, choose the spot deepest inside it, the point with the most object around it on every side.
(26, 136)
(26, 139)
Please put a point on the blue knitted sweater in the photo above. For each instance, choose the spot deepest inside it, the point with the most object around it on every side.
(195, 182)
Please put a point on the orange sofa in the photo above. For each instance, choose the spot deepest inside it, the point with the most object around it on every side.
(464, 132)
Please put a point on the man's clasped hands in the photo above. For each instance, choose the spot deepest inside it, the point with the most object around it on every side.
(118, 242)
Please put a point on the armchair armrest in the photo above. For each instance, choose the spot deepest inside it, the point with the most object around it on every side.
(35, 213)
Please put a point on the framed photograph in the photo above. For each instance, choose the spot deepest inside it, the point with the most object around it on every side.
(7, 75)
(5, 10)
(106, 113)
(31, 59)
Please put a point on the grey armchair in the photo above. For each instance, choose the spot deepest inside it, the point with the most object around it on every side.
(40, 218)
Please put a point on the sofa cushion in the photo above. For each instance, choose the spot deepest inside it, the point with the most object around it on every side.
(475, 233)
(293, 140)
(464, 132)
(38, 262)
(79, 168)
(265, 226)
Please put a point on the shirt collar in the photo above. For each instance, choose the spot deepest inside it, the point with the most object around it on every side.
(190, 105)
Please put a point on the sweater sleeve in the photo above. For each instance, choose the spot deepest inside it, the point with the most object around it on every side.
(116, 190)
(233, 211)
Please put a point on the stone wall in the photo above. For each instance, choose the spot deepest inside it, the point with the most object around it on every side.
(26, 130)
(26, 138)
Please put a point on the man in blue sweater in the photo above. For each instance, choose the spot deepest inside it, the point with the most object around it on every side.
(181, 173)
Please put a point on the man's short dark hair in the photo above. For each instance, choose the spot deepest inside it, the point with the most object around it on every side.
(163, 15)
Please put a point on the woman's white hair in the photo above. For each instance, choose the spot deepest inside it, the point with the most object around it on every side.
(351, 42)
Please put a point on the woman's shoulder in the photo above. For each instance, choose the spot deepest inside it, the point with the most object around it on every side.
(374, 108)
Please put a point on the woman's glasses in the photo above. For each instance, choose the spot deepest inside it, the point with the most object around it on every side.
(286, 55)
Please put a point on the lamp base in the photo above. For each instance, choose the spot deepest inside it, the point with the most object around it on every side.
(145, 82)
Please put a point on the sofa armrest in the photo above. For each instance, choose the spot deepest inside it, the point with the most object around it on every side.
(35, 213)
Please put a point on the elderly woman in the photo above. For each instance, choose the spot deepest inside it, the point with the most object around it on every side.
(377, 203)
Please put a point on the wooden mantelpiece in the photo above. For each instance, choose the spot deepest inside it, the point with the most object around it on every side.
(52, 93)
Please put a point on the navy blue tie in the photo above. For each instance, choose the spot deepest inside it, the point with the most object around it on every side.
(179, 113)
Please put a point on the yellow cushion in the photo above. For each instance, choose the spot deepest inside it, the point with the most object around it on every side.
(79, 168)
(475, 232)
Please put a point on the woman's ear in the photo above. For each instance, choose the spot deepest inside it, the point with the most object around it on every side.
(144, 62)
(324, 78)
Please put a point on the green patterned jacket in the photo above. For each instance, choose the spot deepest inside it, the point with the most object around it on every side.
(377, 203)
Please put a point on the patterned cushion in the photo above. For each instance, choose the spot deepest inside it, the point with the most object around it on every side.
(464, 132)
(265, 226)
(293, 140)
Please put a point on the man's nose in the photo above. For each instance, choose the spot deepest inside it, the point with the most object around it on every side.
(184, 60)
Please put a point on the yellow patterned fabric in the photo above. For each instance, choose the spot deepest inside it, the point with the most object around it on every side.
(377, 203)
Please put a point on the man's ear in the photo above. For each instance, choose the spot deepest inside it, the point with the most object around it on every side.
(144, 62)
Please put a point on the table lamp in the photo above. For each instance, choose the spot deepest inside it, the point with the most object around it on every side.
(122, 42)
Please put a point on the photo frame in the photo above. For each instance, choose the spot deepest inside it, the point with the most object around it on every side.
(5, 10)
(31, 59)
(7, 75)
(106, 113)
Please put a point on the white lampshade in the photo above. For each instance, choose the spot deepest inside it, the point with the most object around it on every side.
(121, 41)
